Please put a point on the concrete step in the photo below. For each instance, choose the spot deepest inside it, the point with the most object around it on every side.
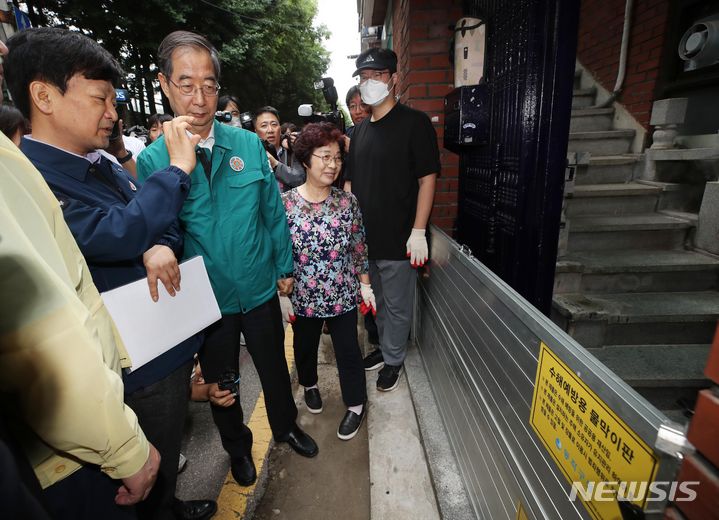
(641, 231)
(635, 271)
(607, 169)
(591, 119)
(583, 97)
(638, 318)
(607, 142)
(668, 376)
(679, 197)
(612, 199)
(656, 365)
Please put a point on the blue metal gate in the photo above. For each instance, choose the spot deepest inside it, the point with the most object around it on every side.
(510, 190)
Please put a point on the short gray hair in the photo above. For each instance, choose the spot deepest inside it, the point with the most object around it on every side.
(178, 39)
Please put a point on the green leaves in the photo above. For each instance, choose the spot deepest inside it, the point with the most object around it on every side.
(277, 56)
(270, 52)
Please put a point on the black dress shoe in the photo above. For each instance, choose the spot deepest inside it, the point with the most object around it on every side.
(313, 400)
(350, 424)
(243, 470)
(194, 509)
(301, 442)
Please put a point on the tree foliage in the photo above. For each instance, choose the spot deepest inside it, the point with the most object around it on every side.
(269, 50)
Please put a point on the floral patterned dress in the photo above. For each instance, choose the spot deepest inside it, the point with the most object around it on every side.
(329, 251)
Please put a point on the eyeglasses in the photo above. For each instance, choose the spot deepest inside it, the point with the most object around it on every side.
(187, 89)
(374, 74)
(361, 106)
(327, 159)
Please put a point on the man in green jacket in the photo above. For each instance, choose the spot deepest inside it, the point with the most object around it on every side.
(233, 217)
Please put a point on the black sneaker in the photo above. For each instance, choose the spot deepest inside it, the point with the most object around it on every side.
(313, 400)
(373, 360)
(388, 378)
(350, 424)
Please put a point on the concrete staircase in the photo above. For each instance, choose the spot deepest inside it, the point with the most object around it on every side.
(629, 287)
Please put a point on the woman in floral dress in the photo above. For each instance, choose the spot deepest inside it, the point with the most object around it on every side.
(330, 270)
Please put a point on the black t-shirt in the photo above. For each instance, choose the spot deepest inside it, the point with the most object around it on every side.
(385, 160)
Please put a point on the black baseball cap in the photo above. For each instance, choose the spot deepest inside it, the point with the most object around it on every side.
(376, 59)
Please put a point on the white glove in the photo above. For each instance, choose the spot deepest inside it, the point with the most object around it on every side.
(367, 299)
(417, 250)
(288, 313)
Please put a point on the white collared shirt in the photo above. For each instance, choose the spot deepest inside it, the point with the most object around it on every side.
(92, 157)
(207, 142)
(132, 145)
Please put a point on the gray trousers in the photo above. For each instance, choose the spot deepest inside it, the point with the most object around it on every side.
(393, 283)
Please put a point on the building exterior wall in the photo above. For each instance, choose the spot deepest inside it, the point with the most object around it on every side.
(421, 38)
(600, 36)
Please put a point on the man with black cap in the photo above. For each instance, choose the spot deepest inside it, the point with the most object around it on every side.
(392, 169)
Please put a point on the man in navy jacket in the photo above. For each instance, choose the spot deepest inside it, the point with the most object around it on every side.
(64, 83)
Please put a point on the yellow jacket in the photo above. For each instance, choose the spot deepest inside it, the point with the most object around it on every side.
(60, 352)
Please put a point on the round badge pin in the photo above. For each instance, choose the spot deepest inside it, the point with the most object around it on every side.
(237, 164)
(132, 186)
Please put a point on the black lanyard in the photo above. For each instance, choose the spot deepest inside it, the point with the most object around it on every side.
(205, 162)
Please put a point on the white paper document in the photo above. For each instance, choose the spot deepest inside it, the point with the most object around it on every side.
(152, 328)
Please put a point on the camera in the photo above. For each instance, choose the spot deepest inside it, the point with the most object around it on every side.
(335, 116)
(223, 117)
(288, 137)
(229, 380)
(270, 148)
(246, 121)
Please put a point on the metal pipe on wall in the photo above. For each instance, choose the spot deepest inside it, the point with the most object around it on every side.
(621, 73)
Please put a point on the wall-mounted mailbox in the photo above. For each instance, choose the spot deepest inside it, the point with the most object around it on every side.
(466, 117)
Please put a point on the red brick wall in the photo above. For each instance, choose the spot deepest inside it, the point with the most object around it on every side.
(600, 36)
(421, 40)
(703, 466)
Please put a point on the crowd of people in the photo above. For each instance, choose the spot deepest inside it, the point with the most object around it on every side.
(303, 227)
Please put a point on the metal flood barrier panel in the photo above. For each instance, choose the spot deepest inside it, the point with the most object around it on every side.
(519, 450)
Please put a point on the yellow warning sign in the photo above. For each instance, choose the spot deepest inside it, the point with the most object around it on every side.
(521, 514)
(587, 440)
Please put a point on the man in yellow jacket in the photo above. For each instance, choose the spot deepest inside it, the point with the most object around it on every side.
(61, 358)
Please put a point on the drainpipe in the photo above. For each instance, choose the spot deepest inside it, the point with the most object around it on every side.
(622, 57)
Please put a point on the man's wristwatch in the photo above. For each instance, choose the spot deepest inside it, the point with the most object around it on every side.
(123, 160)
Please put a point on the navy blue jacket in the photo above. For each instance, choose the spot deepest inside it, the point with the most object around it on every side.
(114, 220)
